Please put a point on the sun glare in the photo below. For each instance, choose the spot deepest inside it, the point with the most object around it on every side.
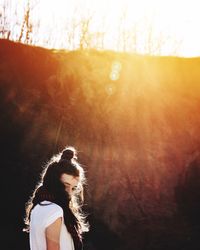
(145, 26)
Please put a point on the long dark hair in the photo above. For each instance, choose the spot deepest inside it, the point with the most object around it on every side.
(51, 188)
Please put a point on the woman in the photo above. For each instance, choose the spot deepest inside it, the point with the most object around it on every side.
(53, 214)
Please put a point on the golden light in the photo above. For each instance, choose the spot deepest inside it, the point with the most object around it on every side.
(145, 26)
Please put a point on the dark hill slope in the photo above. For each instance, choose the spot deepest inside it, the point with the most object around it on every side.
(135, 121)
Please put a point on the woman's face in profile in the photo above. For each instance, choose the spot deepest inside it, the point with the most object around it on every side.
(71, 183)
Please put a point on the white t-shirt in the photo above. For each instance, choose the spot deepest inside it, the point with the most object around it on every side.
(41, 217)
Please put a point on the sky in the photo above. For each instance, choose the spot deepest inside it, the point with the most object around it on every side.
(149, 26)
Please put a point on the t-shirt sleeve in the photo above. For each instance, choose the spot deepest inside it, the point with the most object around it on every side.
(53, 214)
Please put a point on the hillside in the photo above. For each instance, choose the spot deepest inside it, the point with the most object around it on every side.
(135, 121)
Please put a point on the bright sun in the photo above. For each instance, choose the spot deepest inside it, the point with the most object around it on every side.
(143, 26)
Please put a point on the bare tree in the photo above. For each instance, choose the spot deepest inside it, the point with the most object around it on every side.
(98, 36)
(84, 33)
(26, 28)
(72, 26)
(85, 37)
(142, 36)
(155, 42)
(98, 40)
(133, 38)
(123, 34)
(4, 22)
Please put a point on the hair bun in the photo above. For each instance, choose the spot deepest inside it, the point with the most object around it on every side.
(68, 154)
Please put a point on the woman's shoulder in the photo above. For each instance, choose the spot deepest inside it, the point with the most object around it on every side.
(47, 212)
(50, 206)
(47, 208)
